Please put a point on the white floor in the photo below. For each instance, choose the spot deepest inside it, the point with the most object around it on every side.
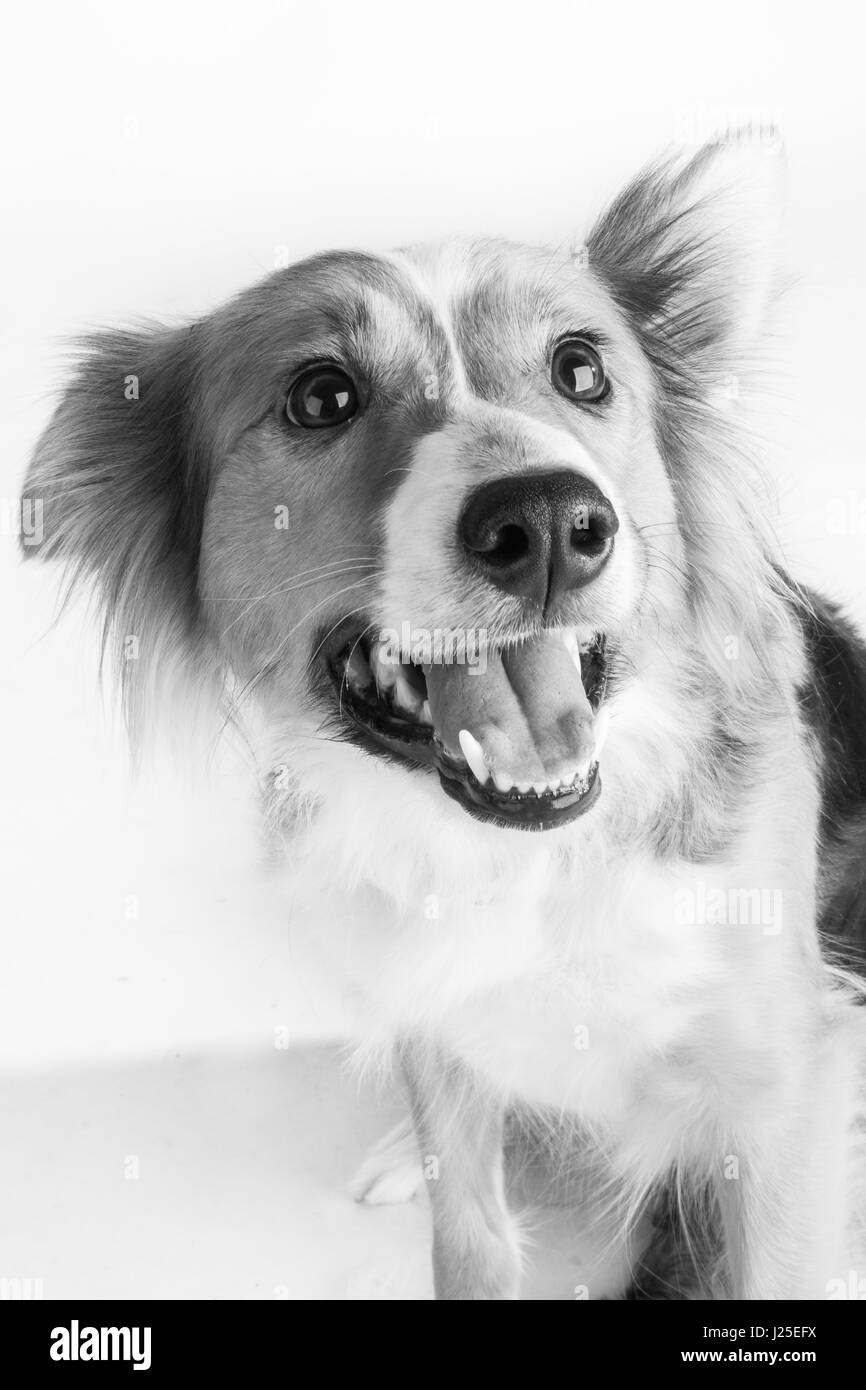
(195, 1177)
(207, 1177)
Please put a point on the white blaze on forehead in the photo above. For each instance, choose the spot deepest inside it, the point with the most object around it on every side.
(392, 338)
(438, 284)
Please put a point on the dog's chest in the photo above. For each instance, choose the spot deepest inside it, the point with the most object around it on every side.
(618, 997)
(614, 983)
(625, 985)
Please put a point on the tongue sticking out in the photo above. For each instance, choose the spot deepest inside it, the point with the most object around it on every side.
(525, 720)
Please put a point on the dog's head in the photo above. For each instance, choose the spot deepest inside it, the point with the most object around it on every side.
(448, 509)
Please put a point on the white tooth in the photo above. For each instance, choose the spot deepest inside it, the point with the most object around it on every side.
(572, 647)
(424, 714)
(405, 694)
(602, 720)
(540, 787)
(385, 668)
(472, 752)
(358, 671)
(524, 787)
(502, 781)
(388, 653)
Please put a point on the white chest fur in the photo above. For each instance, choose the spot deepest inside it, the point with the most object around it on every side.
(597, 988)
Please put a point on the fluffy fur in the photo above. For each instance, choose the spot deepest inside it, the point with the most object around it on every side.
(547, 997)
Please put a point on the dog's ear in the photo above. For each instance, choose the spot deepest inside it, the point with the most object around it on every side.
(690, 252)
(118, 484)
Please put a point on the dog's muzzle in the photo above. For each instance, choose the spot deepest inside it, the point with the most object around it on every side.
(513, 729)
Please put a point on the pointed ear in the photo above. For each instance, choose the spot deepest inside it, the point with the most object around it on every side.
(690, 252)
(119, 482)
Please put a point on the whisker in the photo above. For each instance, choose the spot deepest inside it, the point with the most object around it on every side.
(250, 685)
(345, 681)
(666, 565)
(318, 578)
(327, 635)
(705, 527)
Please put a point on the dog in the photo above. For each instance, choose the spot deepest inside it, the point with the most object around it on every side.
(566, 772)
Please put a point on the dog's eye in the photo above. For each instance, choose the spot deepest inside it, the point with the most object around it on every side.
(577, 371)
(322, 396)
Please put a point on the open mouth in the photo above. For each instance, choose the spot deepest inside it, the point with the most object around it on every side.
(515, 734)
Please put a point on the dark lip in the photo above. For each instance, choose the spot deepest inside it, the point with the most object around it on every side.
(511, 810)
(370, 726)
(383, 734)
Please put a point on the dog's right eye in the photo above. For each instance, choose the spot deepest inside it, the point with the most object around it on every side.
(322, 396)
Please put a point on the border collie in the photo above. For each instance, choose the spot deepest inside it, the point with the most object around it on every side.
(568, 772)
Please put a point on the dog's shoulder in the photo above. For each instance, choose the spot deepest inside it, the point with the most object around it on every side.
(833, 701)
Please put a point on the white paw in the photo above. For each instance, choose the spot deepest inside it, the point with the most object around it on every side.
(392, 1170)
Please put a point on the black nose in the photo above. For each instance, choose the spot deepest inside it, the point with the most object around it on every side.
(539, 535)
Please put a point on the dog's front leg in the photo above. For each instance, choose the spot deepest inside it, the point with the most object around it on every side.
(785, 1196)
(459, 1125)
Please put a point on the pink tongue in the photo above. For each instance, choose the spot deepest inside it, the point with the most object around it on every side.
(528, 709)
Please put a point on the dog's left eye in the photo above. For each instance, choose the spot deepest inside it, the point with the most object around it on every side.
(577, 371)
(321, 397)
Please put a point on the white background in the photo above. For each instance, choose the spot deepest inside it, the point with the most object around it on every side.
(156, 158)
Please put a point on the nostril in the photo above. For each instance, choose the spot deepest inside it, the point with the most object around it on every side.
(592, 531)
(588, 542)
(511, 545)
(538, 536)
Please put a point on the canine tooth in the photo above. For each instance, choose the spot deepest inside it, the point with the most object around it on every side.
(572, 646)
(600, 727)
(424, 713)
(384, 669)
(405, 695)
(358, 671)
(473, 753)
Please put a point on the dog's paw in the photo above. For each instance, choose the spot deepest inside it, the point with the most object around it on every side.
(392, 1170)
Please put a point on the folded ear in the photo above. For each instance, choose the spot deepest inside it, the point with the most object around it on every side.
(690, 251)
(120, 482)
